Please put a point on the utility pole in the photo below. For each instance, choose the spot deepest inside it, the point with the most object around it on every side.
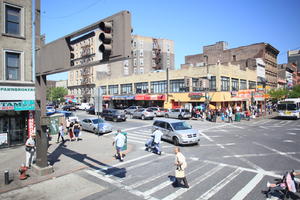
(167, 74)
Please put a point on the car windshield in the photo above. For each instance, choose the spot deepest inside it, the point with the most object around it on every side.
(96, 121)
(149, 110)
(154, 109)
(49, 107)
(181, 126)
(185, 110)
(117, 112)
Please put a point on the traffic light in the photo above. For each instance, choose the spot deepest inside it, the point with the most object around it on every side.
(115, 37)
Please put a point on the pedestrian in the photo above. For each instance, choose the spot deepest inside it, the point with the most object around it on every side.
(30, 149)
(119, 142)
(180, 164)
(76, 130)
(222, 116)
(61, 133)
(71, 133)
(230, 116)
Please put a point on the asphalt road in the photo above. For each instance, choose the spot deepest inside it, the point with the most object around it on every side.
(233, 161)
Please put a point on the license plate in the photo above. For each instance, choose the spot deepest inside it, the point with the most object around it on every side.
(288, 112)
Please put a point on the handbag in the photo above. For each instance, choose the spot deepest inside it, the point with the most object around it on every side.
(28, 148)
(179, 173)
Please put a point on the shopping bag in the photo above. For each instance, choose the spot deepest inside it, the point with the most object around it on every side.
(179, 173)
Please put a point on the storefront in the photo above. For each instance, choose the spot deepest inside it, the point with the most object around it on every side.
(17, 107)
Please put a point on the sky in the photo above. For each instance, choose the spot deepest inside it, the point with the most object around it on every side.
(191, 24)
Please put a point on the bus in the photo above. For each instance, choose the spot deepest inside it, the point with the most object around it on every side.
(289, 108)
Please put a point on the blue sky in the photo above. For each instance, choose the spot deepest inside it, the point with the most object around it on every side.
(190, 23)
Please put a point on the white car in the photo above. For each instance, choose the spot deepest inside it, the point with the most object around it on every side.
(84, 106)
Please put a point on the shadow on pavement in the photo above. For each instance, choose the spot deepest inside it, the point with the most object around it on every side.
(84, 158)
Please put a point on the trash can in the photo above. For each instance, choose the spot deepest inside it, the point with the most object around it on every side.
(237, 117)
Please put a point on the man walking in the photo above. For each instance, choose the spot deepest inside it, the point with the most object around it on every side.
(30, 149)
(181, 164)
(119, 141)
(61, 133)
(157, 140)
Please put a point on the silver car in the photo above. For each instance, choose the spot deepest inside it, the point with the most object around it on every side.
(178, 113)
(158, 112)
(96, 125)
(177, 131)
(131, 109)
(143, 113)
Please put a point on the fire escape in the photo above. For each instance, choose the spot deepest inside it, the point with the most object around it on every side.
(85, 83)
(157, 57)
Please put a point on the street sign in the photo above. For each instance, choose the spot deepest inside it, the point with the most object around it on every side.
(98, 100)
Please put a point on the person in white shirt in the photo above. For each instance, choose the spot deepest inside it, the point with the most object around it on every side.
(119, 141)
(30, 149)
(181, 164)
(61, 132)
(157, 139)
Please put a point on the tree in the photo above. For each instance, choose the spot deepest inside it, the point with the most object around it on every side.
(295, 92)
(278, 94)
(56, 94)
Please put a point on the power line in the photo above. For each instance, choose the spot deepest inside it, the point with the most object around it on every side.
(74, 13)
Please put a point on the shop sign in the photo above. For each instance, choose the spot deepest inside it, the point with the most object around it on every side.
(18, 105)
(150, 97)
(3, 139)
(123, 97)
(17, 93)
(195, 95)
(30, 123)
(106, 98)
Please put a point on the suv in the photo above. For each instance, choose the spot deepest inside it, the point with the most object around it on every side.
(158, 112)
(131, 109)
(177, 131)
(178, 113)
(84, 106)
(113, 114)
(143, 113)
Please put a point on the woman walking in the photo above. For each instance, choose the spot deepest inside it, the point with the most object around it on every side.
(76, 130)
(180, 164)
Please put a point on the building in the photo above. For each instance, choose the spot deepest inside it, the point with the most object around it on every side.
(227, 84)
(148, 54)
(17, 99)
(287, 75)
(294, 57)
(62, 83)
(244, 56)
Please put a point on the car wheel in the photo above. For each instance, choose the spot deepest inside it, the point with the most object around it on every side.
(167, 116)
(124, 120)
(175, 141)
(115, 119)
(180, 117)
(151, 118)
(143, 117)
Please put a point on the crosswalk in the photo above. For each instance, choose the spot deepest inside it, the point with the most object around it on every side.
(151, 176)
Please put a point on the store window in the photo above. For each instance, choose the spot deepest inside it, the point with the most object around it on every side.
(126, 88)
(104, 90)
(141, 88)
(243, 84)
(113, 89)
(178, 86)
(234, 84)
(224, 83)
(12, 65)
(158, 87)
(213, 83)
(252, 85)
(12, 20)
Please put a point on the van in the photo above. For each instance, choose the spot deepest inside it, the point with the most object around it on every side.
(84, 106)
(177, 131)
(179, 113)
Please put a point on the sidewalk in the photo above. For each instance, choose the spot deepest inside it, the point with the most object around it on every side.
(92, 151)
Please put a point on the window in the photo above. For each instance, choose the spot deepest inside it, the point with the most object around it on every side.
(252, 84)
(177, 86)
(243, 84)
(141, 70)
(126, 88)
(135, 70)
(153, 54)
(135, 53)
(12, 66)
(141, 44)
(104, 91)
(224, 83)
(141, 53)
(134, 62)
(158, 87)
(234, 84)
(12, 20)
(234, 58)
(153, 63)
(212, 83)
(141, 88)
(134, 44)
(126, 71)
(113, 89)
(196, 85)
(141, 61)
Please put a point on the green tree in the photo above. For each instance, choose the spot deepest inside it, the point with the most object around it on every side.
(295, 92)
(278, 94)
(56, 94)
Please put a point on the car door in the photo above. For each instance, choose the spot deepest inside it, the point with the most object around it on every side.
(84, 124)
(169, 131)
(89, 125)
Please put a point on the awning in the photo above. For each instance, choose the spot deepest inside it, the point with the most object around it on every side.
(220, 97)
(150, 97)
(106, 98)
(123, 97)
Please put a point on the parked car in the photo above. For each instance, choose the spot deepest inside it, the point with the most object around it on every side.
(131, 109)
(178, 113)
(143, 113)
(69, 107)
(158, 112)
(91, 110)
(177, 131)
(96, 125)
(114, 115)
(50, 110)
(72, 117)
(84, 106)
(77, 106)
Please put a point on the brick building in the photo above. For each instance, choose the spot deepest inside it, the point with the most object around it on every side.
(244, 56)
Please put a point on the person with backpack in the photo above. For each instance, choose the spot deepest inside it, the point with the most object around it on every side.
(76, 130)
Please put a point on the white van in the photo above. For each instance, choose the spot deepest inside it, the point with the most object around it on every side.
(84, 106)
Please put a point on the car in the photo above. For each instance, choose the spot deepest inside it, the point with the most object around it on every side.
(72, 117)
(158, 112)
(84, 106)
(143, 113)
(114, 115)
(131, 109)
(178, 113)
(77, 106)
(50, 110)
(91, 110)
(69, 107)
(177, 131)
(96, 125)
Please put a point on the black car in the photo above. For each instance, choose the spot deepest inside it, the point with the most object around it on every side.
(113, 114)
(91, 110)
(69, 108)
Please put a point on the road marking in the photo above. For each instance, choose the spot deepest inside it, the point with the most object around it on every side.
(141, 137)
(128, 129)
(200, 179)
(236, 126)
(212, 145)
(291, 133)
(289, 141)
(207, 195)
(258, 155)
(248, 188)
(132, 160)
(278, 152)
(213, 127)
(136, 141)
(294, 129)
(263, 127)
